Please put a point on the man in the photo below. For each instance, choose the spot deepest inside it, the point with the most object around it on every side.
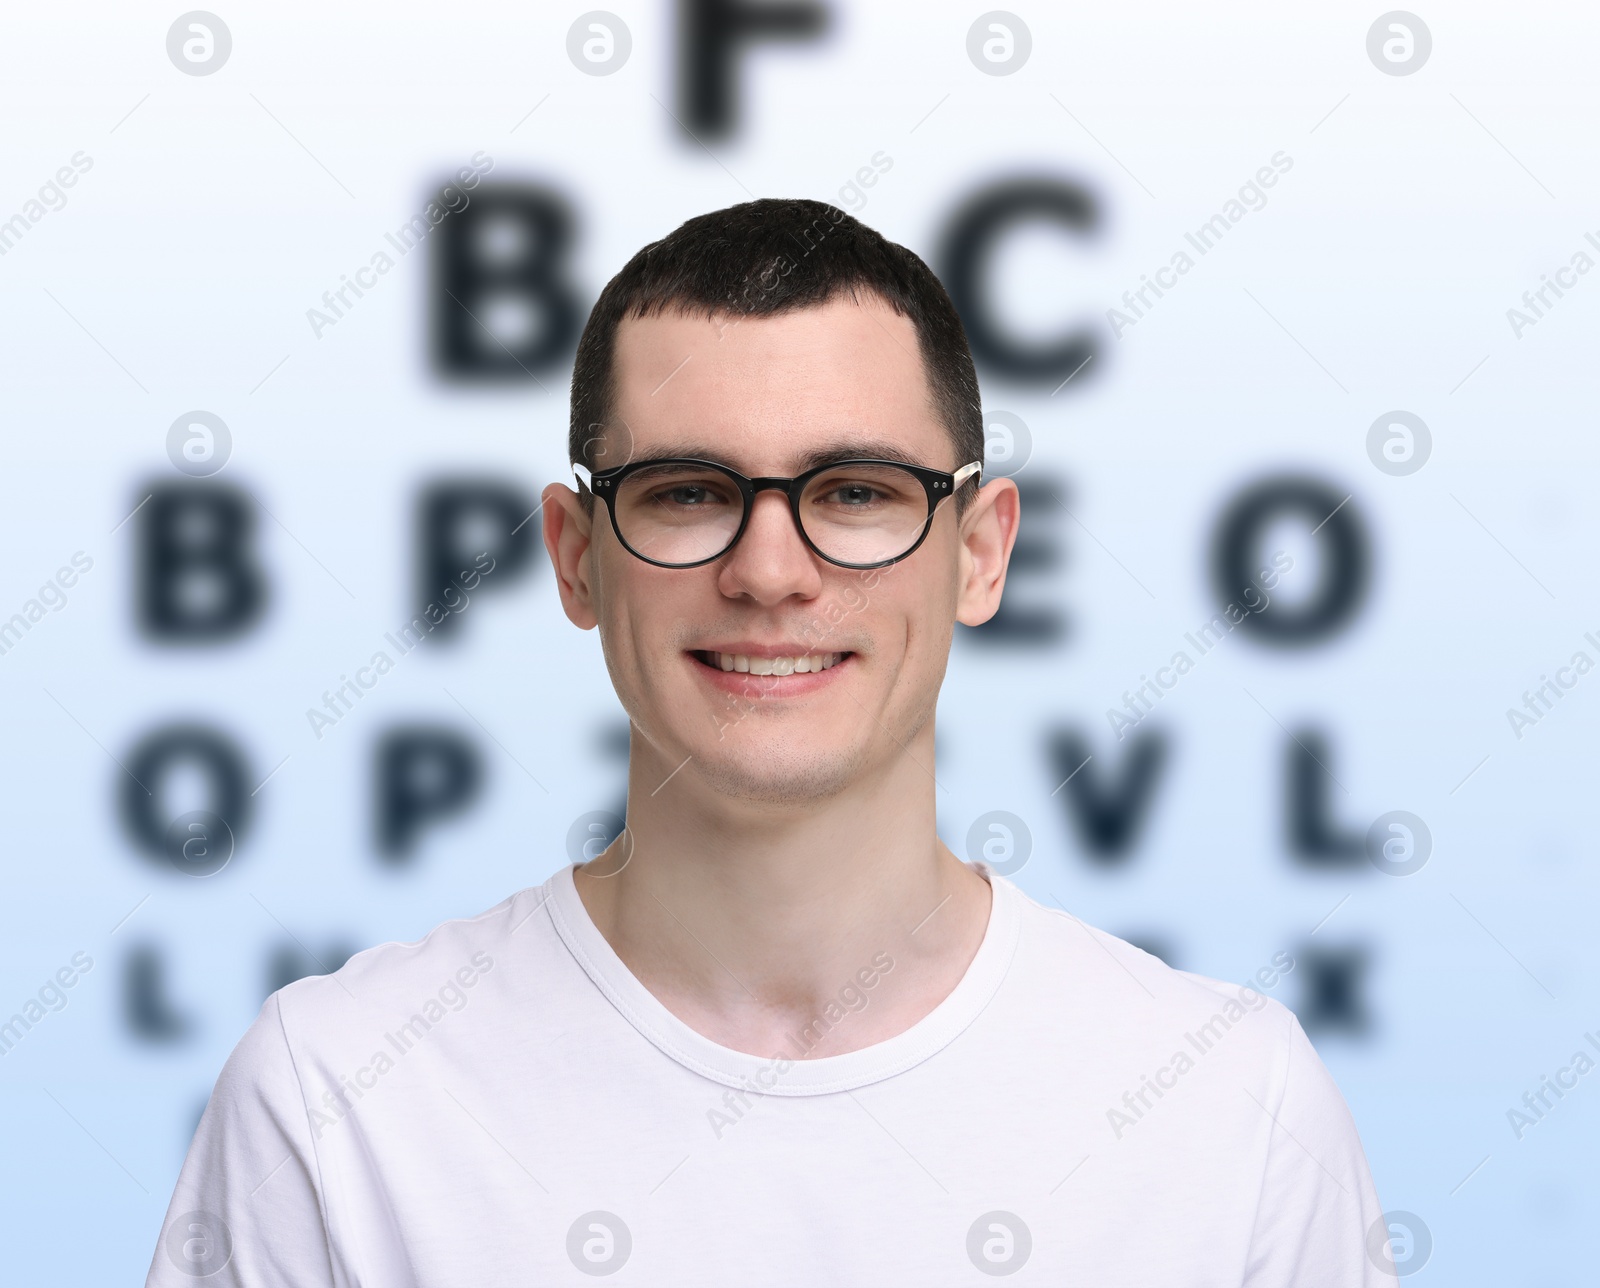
(777, 1032)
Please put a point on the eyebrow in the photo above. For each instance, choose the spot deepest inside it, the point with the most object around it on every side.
(836, 449)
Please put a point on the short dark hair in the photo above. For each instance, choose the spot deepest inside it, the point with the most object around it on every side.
(766, 257)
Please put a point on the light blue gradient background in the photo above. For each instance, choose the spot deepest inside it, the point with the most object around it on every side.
(1391, 251)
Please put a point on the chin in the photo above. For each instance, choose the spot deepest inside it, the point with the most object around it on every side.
(748, 773)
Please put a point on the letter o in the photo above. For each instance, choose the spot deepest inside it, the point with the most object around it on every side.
(1340, 530)
(222, 765)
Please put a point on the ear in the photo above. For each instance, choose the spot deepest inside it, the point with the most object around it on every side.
(988, 533)
(567, 536)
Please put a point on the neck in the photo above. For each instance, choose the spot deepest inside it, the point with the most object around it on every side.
(797, 928)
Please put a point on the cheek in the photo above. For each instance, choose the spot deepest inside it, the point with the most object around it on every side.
(619, 631)
(905, 636)
(642, 612)
(928, 657)
(929, 627)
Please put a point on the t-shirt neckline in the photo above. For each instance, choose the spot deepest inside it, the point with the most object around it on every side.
(783, 1073)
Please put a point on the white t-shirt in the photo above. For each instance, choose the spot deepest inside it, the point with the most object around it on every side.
(502, 1102)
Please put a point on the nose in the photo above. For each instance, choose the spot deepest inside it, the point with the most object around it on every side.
(771, 561)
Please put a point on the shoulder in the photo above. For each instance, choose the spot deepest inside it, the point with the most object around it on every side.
(383, 986)
(1179, 1066)
(1090, 976)
(1209, 1061)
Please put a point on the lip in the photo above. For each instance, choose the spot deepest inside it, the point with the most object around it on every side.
(765, 688)
(755, 648)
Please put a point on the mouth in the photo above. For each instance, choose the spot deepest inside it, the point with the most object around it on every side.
(760, 679)
(745, 664)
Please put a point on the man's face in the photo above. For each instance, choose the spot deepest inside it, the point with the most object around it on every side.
(760, 395)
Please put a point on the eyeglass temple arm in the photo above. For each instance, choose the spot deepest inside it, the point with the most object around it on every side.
(585, 476)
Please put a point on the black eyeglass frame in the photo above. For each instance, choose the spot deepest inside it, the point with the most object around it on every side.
(938, 485)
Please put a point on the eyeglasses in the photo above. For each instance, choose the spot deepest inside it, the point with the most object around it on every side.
(858, 513)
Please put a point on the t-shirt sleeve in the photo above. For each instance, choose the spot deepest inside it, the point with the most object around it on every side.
(1318, 1207)
(248, 1207)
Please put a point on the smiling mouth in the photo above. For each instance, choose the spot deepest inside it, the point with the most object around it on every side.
(803, 664)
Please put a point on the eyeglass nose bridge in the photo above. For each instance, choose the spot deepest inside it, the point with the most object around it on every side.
(775, 484)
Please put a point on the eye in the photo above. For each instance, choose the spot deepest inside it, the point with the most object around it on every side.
(676, 487)
(688, 496)
(854, 495)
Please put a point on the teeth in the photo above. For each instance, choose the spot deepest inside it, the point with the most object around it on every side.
(804, 664)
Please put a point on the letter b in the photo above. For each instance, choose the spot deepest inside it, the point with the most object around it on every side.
(501, 310)
(195, 580)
